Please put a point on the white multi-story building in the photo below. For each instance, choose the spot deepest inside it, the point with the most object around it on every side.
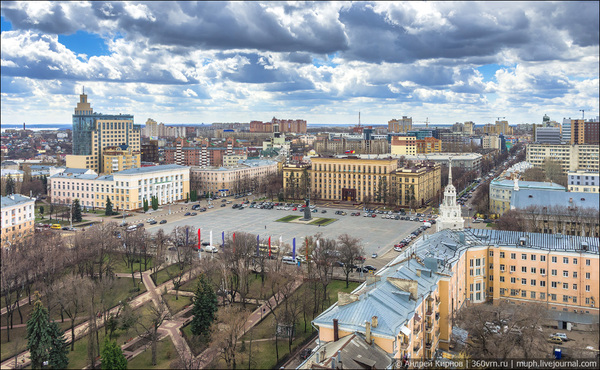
(583, 182)
(571, 157)
(16, 217)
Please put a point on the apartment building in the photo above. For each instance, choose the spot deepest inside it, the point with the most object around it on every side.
(279, 125)
(119, 158)
(93, 132)
(571, 157)
(126, 189)
(406, 309)
(429, 145)
(17, 216)
(205, 154)
(357, 180)
(490, 142)
(245, 176)
(400, 125)
(583, 182)
(404, 145)
(341, 145)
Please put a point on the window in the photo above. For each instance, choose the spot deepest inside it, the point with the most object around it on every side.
(565, 273)
(513, 268)
(524, 293)
(523, 256)
(471, 262)
(543, 258)
(533, 295)
(554, 259)
(523, 281)
(543, 271)
(491, 277)
(587, 275)
(542, 283)
(574, 261)
(565, 259)
(587, 288)
(542, 295)
(501, 254)
(491, 253)
(587, 301)
(553, 297)
(554, 284)
(501, 279)
(565, 285)
(574, 286)
(513, 256)
(502, 268)
(491, 266)
(523, 268)
(533, 282)
(533, 270)
(575, 274)
(513, 280)
(565, 298)
(587, 262)
(533, 257)
(554, 272)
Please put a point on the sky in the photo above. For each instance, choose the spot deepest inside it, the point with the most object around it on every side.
(187, 62)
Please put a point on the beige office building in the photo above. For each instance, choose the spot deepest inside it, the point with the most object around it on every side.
(241, 178)
(572, 158)
(17, 217)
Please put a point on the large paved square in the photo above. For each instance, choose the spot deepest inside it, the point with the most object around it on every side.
(378, 235)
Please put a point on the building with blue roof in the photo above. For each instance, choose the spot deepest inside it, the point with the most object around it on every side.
(406, 308)
(501, 191)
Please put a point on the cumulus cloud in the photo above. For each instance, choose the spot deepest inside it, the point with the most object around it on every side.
(318, 58)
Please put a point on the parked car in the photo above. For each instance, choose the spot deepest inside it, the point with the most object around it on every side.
(194, 213)
(211, 249)
(152, 222)
(187, 214)
(562, 336)
(305, 353)
(140, 225)
(374, 255)
(163, 222)
(555, 340)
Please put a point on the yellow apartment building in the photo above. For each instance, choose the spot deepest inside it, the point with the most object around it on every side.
(119, 158)
(407, 307)
(404, 145)
(17, 216)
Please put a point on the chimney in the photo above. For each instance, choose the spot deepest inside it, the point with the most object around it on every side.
(336, 334)
(368, 332)
(333, 362)
(374, 321)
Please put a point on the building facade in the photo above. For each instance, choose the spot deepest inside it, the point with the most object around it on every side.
(149, 152)
(279, 125)
(404, 145)
(93, 132)
(341, 145)
(583, 182)
(203, 154)
(244, 177)
(407, 307)
(119, 158)
(126, 189)
(17, 217)
(571, 157)
(400, 125)
(366, 180)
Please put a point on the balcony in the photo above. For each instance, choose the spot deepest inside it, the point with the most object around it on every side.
(428, 345)
(404, 346)
(417, 329)
(428, 328)
(416, 349)
(429, 311)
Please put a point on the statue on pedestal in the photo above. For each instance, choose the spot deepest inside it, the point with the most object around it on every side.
(307, 211)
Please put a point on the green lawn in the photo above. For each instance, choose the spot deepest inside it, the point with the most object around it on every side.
(163, 276)
(262, 355)
(195, 344)
(165, 354)
(323, 221)
(288, 218)
(176, 305)
(120, 266)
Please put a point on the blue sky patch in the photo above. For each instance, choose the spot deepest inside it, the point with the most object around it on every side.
(489, 71)
(83, 42)
(318, 62)
(5, 25)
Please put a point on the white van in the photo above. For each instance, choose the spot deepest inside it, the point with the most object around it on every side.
(132, 228)
(211, 249)
(288, 260)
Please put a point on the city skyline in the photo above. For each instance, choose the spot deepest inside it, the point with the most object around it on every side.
(322, 62)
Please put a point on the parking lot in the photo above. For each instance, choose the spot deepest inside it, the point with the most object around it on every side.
(378, 235)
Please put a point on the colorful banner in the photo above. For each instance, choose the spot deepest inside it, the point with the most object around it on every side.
(269, 246)
(222, 239)
(294, 248)
(199, 240)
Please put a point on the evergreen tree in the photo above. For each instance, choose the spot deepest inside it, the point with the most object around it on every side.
(187, 197)
(10, 186)
(42, 211)
(59, 348)
(112, 356)
(194, 195)
(154, 203)
(108, 211)
(38, 336)
(76, 211)
(205, 308)
(145, 205)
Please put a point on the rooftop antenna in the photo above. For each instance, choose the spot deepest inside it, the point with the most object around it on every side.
(83, 90)
(358, 118)
(582, 113)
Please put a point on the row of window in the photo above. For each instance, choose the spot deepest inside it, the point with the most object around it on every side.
(533, 257)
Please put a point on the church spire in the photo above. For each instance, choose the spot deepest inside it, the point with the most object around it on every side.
(450, 172)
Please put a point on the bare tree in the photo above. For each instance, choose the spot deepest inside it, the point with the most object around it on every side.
(183, 239)
(324, 257)
(160, 243)
(230, 325)
(73, 299)
(511, 220)
(158, 313)
(349, 248)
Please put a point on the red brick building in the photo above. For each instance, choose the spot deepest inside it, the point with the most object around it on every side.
(280, 125)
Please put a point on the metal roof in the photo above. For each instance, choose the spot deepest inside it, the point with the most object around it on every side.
(14, 199)
(537, 197)
(524, 185)
(140, 170)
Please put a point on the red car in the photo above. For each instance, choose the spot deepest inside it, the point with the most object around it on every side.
(360, 258)
(373, 215)
(294, 209)
(357, 214)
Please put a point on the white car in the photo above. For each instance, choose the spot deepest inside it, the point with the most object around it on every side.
(211, 249)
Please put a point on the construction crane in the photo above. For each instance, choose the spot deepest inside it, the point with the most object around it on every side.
(426, 122)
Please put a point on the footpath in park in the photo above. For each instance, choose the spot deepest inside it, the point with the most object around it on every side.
(170, 327)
